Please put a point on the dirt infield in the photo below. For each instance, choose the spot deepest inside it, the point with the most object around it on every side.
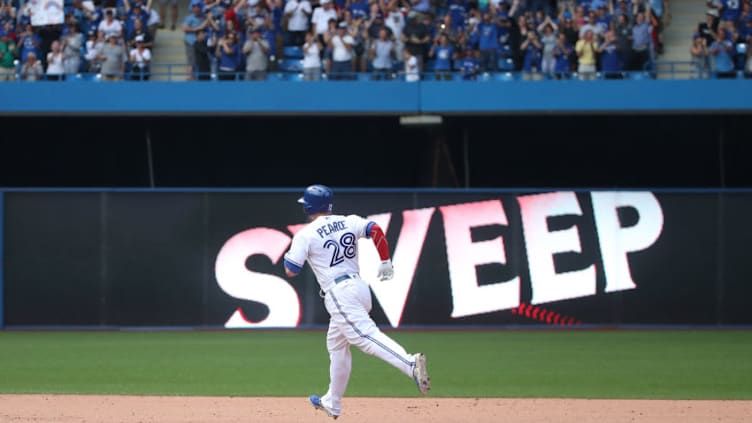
(135, 409)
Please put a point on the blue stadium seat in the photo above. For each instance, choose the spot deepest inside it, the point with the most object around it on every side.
(638, 75)
(292, 52)
(291, 65)
(430, 66)
(457, 65)
(506, 64)
(364, 76)
(275, 76)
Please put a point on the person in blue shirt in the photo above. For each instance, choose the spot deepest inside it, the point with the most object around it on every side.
(457, 14)
(442, 53)
(611, 64)
(469, 66)
(731, 10)
(533, 52)
(358, 9)
(721, 52)
(562, 52)
(488, 43)
(29, 42)
(229, 54)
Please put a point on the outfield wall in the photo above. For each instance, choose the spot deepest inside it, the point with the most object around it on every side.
(462, 257)
(377, 98)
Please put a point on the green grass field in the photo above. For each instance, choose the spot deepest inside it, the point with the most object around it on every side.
(584, 364)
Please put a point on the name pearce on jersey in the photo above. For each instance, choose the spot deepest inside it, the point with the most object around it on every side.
(331, 228)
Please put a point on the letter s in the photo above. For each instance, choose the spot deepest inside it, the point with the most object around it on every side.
(238, 281)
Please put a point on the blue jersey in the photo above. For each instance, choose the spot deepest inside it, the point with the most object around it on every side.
(731, 10)
(469, 67)
(533, 57)
(359, 9)
(458, 13)
(488, 34)
(561, 54)
(443, 57)
(610, 59)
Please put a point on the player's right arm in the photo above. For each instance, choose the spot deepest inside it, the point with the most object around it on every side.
(296, 257)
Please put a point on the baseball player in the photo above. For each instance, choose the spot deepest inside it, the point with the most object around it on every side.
(329, 244)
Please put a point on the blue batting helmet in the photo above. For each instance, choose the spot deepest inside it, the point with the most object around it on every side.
(317, 199)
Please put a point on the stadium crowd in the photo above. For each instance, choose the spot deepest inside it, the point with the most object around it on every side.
(112, 38)
(720, 43)
(541, 38)
(246, 39)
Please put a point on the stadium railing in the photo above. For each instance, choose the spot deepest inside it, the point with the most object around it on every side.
(176, 72)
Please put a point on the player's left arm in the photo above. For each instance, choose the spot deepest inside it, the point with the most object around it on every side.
(386, 269)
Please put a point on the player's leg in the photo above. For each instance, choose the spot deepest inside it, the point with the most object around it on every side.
(340, 366)
(351, 302)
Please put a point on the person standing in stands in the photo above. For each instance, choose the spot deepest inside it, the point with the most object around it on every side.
(341, 45)
(73, 43)
(191, 25)
(585, 49)
(297, 15)
(228, 52)
(312, 57)
(112, 59)
(256, 50)
(201, 54)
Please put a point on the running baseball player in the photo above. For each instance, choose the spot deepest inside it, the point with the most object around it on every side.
(329, 244)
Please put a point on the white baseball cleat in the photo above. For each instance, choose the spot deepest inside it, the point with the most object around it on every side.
(420, 374)
(317, 404)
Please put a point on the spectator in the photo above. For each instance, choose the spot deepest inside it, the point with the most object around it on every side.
(140, 33)
(395, 21)
(469, 66)
(532, 49)
(721, 51)
(297, 14)
(611, 64)
(140, 58)
(622, 10)
(29, 42)
(112, 59)
(569, 30)
(330, 32)
(73, 43)
(55, 68)
(358, 9)
(32, 68)
(658, 10)
(549, 30)
(312, 57)
(173, 12)
(562, 53)
(7, 57)
(321, 17)
(94, 46)
(228, 52)
(700, 56)
(443, 54)
(192, 24)
(590, 26)
(202, 56)
(412, 70)
(136, 11)
(381, 52)
(341, 45)
(416, 37)
(623, 32)
(585, 49)
(256, 50)
(110, 26)
(357, 31)
(640, 43)
(730, 10)
(709, 28)
(488, 43)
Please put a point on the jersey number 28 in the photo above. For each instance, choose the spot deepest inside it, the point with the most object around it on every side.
(345, 248)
